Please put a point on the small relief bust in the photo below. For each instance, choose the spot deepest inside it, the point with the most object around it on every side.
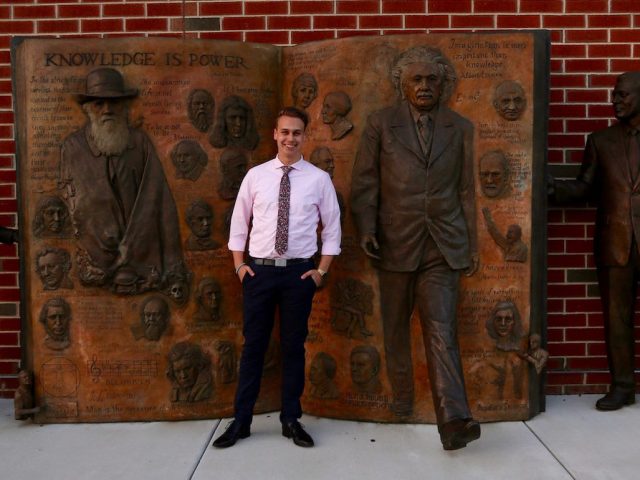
(200, 106)
(52, 219)
(200, 220)
(505, 326)
(55, 316)
(494, 174)
(365, 369)
(233, 167)
(23, 401)
(509, 100)
(322, 373)
(304, 90)
(154, 319)
(53, 266)
(189, 372)
(208, 299)
(235, 125)
(189, 159)
(335, 108)
(536, 355)
(511, 244)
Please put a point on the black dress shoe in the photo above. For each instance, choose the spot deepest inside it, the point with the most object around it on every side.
(295, 431)
(232, 434)
(457, 433)
(615, 400)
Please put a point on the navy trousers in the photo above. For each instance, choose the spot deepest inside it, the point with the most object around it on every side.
(274, 287)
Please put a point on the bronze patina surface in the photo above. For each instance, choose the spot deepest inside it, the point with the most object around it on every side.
(131, 309)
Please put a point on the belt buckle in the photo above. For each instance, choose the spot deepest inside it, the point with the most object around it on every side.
(281, 262)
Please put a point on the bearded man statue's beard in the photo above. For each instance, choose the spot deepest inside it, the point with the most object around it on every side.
(110, 133)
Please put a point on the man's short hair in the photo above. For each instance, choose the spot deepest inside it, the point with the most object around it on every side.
(426, 54)
(294, 112)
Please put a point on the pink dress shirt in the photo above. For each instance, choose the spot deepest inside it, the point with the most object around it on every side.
(313, 201)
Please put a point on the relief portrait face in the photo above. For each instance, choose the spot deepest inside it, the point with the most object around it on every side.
(422, 85)
(201, 110)
(54, 217)
(304, 95)
(108, 118)
(185, 157)
(210, 297)
(334, 106)
(57, 322)
(200, 221)
(186, 372)
(362, 368)
(514, 233)
(509, 100)
(236, 121)
(504, 321)
(154, 318)
(51, 270)
(493, 174)
(626, 98)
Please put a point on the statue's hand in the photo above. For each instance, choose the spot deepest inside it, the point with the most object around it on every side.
(369, 244)
(473, 268)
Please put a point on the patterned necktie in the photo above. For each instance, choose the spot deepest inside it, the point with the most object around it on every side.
(634, 153)
(426, 132)
(282, 230)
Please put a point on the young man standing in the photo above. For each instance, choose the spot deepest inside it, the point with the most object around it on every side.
(285, 199)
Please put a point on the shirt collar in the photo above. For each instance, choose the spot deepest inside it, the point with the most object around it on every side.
(299, 165)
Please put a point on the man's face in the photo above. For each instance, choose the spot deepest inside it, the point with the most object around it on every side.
(236, 121)
(185, 158)
(305, 94)
(210, 298)
(330, 109)
(362, 370)
(200, 222)
(24, 377)
(57, 322)
(289, 137)
(154, 319)
(324, 161)
(513, 234)
(185, 372)
(201, 105)
(50, 270)
(504, 321)
(105, 111)
(492, 175)
(626, 100)
(510, 102)
(54, 217)
(422, 85)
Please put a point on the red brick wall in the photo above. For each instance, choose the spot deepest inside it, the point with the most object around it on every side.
(592, 42)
